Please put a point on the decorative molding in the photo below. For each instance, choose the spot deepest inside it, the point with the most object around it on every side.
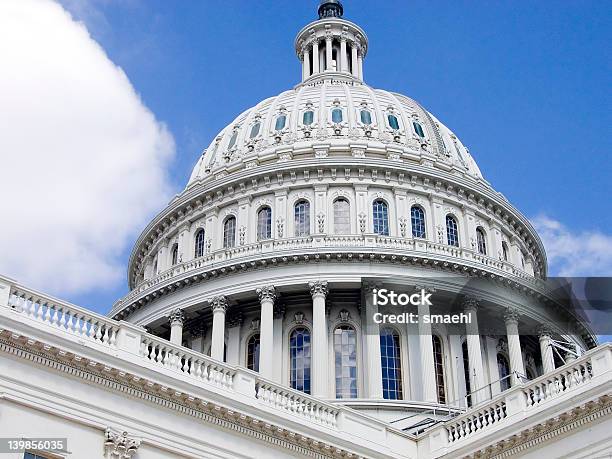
(119, 444)
(218, 303)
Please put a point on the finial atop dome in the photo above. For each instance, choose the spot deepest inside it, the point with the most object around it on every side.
(330, 9)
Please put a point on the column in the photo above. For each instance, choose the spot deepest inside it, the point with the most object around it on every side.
(328, 52)
(354, 64)
(372, 361)
(279, 213)
(320, 209)
(279, 315)
(343, 63)
(306, 64)
(234, 323)
(428, 370)
(185, 242)
(548, 360)
(514, 346)
(219, 306)
(479, 392)
(267, 295)
(315, 56)
(360, 65)
(176, 318)
(319, 379)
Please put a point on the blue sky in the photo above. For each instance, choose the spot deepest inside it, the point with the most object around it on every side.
(525, 85)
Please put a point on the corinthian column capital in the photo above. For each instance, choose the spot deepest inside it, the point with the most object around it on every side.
(218, 303)
(511, 315)
(470, 303)
(318, 288)
(267, 293)
(176, 317)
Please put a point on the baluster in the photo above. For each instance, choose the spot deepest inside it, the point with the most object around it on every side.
(198, 369)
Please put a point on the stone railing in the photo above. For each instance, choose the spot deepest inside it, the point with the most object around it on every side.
(367, 243)
(37, 317)
(62, 315)
(593, 369)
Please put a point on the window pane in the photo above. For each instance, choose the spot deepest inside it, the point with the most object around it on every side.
(393, 122)
(264, 224)
(232, 141)
(418, 221)
(418, 129)
(199, 244)
(280, 122)
(391, 364)
(336, 115)
(308, 117)
(504, 372)
(452, 233)
(380, 217)
(255, 129)
(299, 354)
(342, 218)
(253, 353)
(302, 218)
(439, 367)
(481, 241)
(345, 349)
(366, 117)
(229, 232)
(174, 254)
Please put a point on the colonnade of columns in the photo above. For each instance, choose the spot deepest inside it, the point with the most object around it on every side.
(345, 63)
(373, 387)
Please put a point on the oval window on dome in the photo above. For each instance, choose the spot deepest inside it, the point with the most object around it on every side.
(308, 117)
(418, 129)
(393, 122)
(366, 117)
(232, 141)
(280, 122)
(255, 129)
(337, 115)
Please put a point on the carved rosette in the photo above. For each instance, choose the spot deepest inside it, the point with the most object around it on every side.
(218, 303)
(119, 444)
(176, 317)
(318, 288)
(267, 293)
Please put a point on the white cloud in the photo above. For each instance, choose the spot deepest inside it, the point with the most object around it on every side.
(82, 160)
(570, 253)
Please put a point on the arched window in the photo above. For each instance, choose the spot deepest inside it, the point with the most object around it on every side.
(452, 231)
(391, 364)
(439, 367)
(232, 141)
(393, 122)
(299, 353)
(481, 241)
(505, 250)
(380, 216)
(253, 353)
(174, 254)
(345, 351)
(418, 129)
(417, 217)
(199, 243)
(366, 117)
(308, 117)
(255, 129)
(504, 372)
(466, 373)
(229, 232)
(302, 218)
(280, 122)
(342, 217)
(264, 223)
(336, 115)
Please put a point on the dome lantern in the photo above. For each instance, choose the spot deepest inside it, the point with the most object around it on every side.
(331, 47)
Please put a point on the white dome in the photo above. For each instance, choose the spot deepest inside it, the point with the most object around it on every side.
(253, 138)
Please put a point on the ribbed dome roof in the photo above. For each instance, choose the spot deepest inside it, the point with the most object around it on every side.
(260, 131)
